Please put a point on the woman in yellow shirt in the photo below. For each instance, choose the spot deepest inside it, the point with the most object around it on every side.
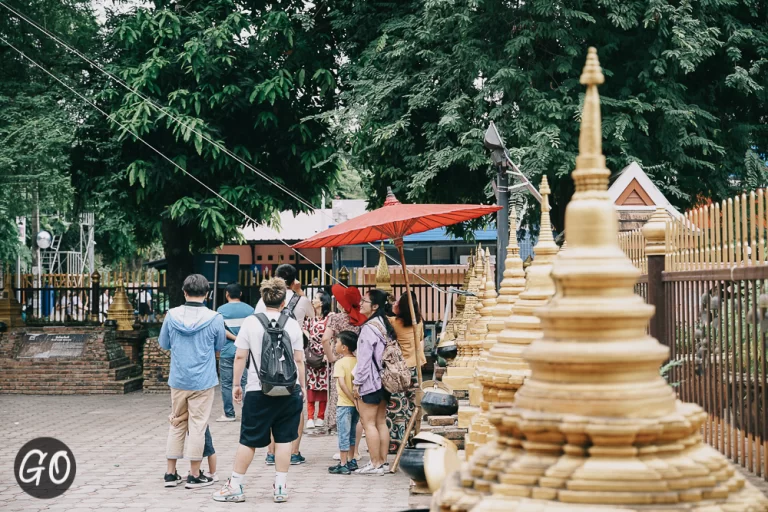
(402, 405)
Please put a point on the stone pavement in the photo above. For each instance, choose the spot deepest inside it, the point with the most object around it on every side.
(119, 446)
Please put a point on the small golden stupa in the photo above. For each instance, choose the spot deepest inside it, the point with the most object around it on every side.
(511, 286)
(480, 343)
(595, 427)
(452, 329)
(459, 375)
(485, 306)
(10, 309)
(121, 310)
(383, 277)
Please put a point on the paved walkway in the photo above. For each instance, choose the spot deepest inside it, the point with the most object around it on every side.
(119, 446)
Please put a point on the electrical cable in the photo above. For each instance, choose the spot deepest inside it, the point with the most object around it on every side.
(111, 118)
(193, 129)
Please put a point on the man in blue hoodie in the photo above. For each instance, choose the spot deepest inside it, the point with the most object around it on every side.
(193, 333)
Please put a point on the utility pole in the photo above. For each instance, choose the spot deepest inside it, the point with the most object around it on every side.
(505, 166)
(493, 141)
(322, 250)
(502, 222)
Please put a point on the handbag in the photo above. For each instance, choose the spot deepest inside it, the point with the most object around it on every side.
(313, 360)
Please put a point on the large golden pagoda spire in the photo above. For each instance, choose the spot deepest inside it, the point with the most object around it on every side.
(595, 427)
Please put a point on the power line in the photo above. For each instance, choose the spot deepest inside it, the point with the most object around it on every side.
(111, 118)
(193, 129)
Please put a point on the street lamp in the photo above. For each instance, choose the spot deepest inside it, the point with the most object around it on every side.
(505, 166)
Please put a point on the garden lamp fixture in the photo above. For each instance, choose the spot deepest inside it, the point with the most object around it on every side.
(500, 158)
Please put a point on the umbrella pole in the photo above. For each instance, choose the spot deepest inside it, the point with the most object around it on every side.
(413, 424)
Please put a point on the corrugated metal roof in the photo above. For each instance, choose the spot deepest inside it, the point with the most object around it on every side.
(304, 225)
(441, 235)
(291, 227)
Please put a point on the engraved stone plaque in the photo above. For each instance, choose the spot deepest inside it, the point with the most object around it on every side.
(45, 346)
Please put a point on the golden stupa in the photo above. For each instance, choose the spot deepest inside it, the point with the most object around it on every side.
(595, 427)
(383, 277)
(480, 343)
(10, 309)
(452, 328)
(459, 375)
(121, 309)
(511, 286)
(487, 302)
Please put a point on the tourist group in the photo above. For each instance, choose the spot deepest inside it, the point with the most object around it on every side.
(355, 369)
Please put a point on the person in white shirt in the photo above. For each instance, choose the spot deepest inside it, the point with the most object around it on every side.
(145, 303)
(300, 310)
(265, 417)
(303, 308)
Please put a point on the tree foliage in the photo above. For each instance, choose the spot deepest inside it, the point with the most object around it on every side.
(244, 74)
(38, 118)
(685, 92)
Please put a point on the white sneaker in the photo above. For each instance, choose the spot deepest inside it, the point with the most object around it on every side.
(311, 424)
(319, 423)
(280, 495)
(229, 493)
(225, 418)
(336, 456)
(365, 469)
(212, 476)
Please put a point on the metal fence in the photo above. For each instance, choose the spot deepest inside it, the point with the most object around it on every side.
(71, 299)
(710, 290)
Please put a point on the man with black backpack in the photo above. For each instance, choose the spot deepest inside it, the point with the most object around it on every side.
(272, 408)
(300, 308)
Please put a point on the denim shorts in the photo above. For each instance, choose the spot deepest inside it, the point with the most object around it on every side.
(346, 423)
(208, 449)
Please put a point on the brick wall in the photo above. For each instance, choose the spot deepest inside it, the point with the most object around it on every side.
(132, 343)
(157, 366)
(102, 369)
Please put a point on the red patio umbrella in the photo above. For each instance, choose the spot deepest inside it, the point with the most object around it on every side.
(394, 221)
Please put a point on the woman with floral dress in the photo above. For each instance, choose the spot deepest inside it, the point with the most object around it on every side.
(402, 405)
(348, 319)
(317, 378)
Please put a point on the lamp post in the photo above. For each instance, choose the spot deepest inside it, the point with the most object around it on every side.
(493, 141)
(505, 166)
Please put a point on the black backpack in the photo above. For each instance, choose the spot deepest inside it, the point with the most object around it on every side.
(277, 372)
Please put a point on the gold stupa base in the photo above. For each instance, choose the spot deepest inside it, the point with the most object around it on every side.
(466, 414)
(459, 377)
(543, 461)
(480, 433)
(475, 393)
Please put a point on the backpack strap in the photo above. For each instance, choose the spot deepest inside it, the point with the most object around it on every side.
(292, 303)
(264, 320)
(382, 331)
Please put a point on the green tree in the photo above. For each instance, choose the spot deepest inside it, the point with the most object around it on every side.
(684, 95)
(38, 118)
(242, 73)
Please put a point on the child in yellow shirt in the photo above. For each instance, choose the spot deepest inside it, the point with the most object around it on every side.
(346, 412)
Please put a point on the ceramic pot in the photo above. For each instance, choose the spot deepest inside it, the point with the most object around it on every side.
(439, 402)
(412, 464)
(448, 351)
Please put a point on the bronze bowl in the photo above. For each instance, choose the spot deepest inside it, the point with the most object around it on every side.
(448, 351)
(412, 464)
(438, 399)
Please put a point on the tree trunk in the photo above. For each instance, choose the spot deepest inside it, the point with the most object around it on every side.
(179, 258)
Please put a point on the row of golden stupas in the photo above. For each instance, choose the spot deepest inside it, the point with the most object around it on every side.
(568, 410)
